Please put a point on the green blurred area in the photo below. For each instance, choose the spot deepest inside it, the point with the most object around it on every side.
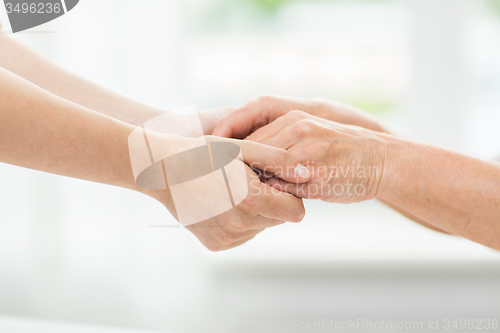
(371, 104)
(494, 5)
(263, 7)
(273, 5)
(260, 15)
(253, 14)
(270, 5)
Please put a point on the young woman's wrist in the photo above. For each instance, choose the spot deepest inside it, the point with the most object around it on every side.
(140, 114)
(161, 195)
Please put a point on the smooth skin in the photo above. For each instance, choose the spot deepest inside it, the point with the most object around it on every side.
(45, 132)
(446, 190)
(27, 64)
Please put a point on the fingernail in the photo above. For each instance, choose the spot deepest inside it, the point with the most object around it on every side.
(301, 171)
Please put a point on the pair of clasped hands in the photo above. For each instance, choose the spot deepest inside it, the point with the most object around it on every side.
(294, 149)
(291, 149)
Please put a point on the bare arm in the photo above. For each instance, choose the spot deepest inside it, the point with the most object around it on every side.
(451, 191)
(22, 61)
(44, 132)
(411, 216)
(41, 131)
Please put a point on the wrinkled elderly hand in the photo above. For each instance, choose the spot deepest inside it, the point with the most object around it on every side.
(264, 110)
(347, 162)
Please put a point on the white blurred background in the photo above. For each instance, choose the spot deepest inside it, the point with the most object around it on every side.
(78, 251)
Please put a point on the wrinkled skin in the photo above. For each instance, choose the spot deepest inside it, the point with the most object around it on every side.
(346, 161)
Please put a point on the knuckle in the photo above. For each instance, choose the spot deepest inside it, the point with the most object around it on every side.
(297, 114)
(249, 200)
(304, 128)
(264, 99)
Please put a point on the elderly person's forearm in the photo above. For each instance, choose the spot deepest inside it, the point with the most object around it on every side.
(453, 192)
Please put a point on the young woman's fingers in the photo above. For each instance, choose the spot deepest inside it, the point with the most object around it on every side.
(240, 123)
(241, 242)
(262, 222)
(278, 205)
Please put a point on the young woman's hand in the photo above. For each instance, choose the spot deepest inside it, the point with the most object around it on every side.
(259, 206)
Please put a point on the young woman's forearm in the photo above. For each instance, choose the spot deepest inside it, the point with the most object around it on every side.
(450, 191)
(44, 132)
(29, 65)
